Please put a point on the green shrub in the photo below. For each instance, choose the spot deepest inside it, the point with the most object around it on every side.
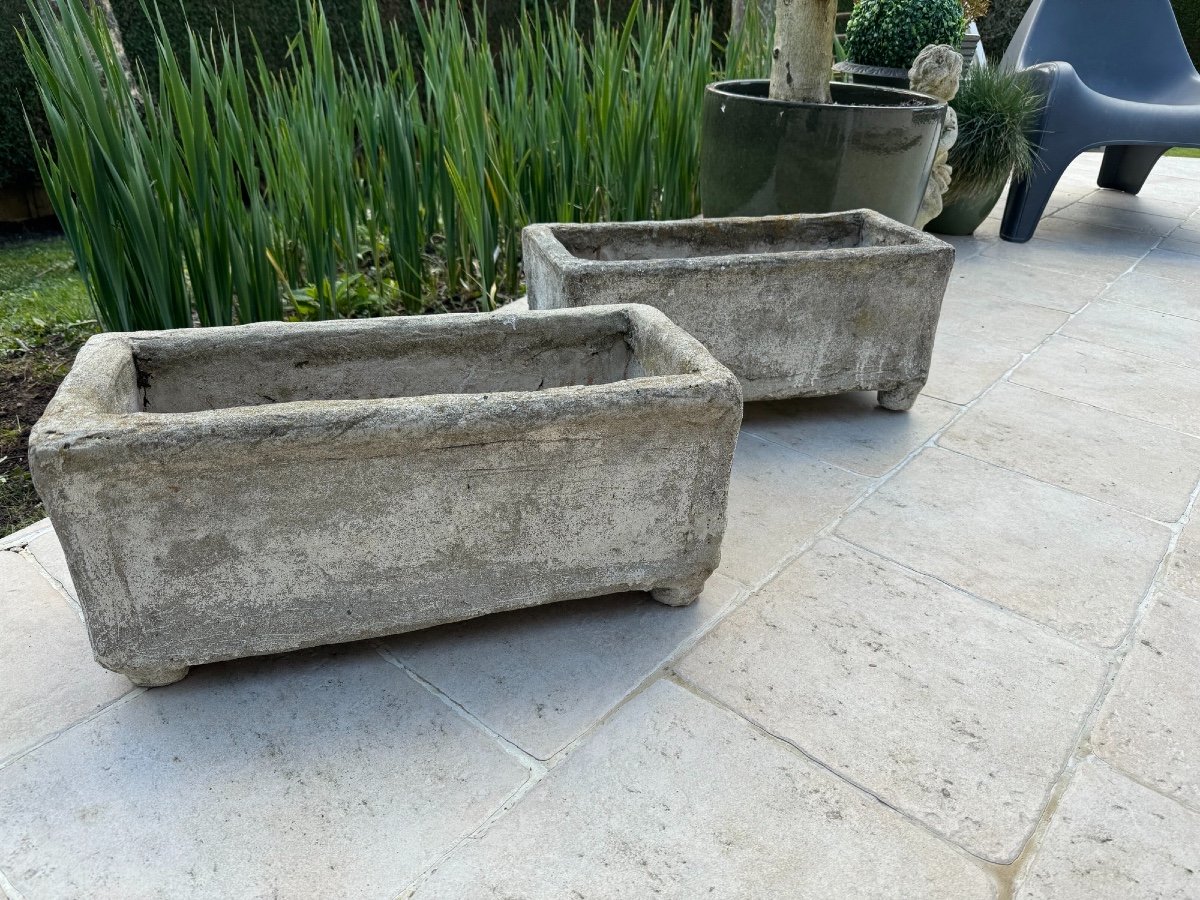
(996, 110)
(224, 191)
(893, 32)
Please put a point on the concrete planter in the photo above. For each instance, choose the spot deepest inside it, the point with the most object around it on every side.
(229, 492)
(795, 306)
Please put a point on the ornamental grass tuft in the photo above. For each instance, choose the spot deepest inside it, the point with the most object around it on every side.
(997, 109)
(222, 191)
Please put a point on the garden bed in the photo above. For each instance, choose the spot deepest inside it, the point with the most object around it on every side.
(44, 318)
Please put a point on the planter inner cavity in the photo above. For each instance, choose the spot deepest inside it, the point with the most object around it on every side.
(295, 485)
(795, 306)
(726, 237)
(204, 369)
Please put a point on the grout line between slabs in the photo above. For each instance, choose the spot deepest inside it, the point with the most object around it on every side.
(26, 554)
(132, 694)
(1139, 781)
(526, 759)
(9, 889)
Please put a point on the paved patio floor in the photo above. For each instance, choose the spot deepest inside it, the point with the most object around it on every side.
(953, 653)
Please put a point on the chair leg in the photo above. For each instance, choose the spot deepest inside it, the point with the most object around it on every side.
(1127, 168)
(1027, 198)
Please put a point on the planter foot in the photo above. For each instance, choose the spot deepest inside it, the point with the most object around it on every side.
(901, 398)
(679, 593)
(151, 678)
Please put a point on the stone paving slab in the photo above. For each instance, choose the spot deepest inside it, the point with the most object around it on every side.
(1146, 332)
(945, 707)
(1145, 211)
(48, 552)
(48, 679)
(1140, 467)
(1112, 838)
(1171, 264)
(1158, 219)
(542, 677)
(1016, 542)
(1172, 188)
(1189, 231)
(1150, 726)
(1177, 298)
(1183, 565)
(623, 818)
(1137, 386)
(19, 539)
(965, 367)
(1095, 236)
(1179, 243)
(778, 499)
(319, 774)
(1029, 284)
(850, 431)
(998, 321)
(1071, 259)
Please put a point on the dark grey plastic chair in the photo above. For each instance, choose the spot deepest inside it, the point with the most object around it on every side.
(1115, 74)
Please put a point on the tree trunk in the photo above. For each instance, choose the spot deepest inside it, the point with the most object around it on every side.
(114, 30)
(737, 16)
(803, 54)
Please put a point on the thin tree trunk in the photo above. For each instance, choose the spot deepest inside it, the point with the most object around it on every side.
(737, 16)
(803, 54)
(114, 30)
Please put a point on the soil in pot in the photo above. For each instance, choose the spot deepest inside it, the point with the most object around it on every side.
(871, 148)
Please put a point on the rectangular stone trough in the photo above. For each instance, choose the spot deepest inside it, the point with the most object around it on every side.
(795, 306)
(228, 492)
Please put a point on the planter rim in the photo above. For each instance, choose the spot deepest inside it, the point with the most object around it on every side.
(722, 88)
(78, 419)
(857, 68)
(547, 233)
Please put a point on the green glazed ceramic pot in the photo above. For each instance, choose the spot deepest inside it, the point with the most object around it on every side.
(962, 217)
(871, 148)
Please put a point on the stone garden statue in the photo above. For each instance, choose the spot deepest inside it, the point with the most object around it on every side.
(937, 71)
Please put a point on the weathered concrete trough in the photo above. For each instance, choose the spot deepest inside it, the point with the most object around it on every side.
(795, 306)
(228, 492)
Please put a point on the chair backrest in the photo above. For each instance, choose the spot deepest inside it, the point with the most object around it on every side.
(1124, 48)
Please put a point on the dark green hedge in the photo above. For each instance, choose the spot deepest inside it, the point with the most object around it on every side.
(1187, 13)
(1001, 23)
(17, 163)
(272, 22)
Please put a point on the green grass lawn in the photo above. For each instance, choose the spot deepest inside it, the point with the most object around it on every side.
(1185, 151)
(44, 317)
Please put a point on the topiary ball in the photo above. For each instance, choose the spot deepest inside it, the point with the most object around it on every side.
(893, 32)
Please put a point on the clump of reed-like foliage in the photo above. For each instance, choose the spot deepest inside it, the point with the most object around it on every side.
(996, 110)
(223, 192)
